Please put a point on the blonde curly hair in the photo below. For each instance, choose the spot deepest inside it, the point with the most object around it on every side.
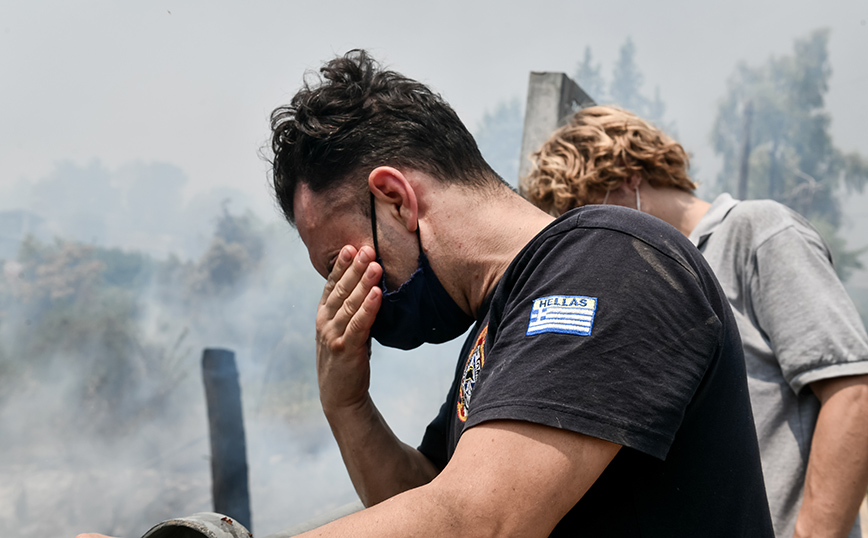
(599, 149)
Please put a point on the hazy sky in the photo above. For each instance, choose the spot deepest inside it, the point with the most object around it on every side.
(192, 83)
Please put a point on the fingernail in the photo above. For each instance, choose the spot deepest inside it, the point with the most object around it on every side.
(345, 254)
(369, 272)
(363, 256)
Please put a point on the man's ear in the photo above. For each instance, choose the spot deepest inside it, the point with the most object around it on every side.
(391, 186)
(633, 182)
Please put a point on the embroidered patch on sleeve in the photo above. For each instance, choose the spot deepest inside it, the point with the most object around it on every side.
(475, 362)
(567, 314)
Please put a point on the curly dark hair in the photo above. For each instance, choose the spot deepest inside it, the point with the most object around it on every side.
(356, 116)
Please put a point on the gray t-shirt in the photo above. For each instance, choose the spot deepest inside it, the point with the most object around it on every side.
(797, 325)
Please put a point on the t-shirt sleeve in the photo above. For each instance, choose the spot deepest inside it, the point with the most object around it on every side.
(603, 335)
(803, 309)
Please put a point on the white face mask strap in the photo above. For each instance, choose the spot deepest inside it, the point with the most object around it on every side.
(607, 196)
(638, 201)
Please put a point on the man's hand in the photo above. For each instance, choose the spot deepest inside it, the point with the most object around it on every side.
(346, 312)
(379, 464)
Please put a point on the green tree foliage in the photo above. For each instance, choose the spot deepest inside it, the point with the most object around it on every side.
(500, 130)
(236, 250)
(122, 330)
(625, 88)
(627, 80)
(772, 124)
(125, 269)
(499, 138)
(67, 313)
(589, 76)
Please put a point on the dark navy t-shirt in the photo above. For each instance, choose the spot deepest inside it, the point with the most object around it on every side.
(609, 323)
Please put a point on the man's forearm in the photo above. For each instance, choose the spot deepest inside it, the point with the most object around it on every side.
(379, 464)
(837, 474)
(506, 479)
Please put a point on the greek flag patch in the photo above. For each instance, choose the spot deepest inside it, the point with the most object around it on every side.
(567, 314)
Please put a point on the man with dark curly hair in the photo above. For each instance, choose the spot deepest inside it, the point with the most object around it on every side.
(805, 348)
(601, 391)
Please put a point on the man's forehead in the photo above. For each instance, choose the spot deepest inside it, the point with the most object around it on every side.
(326, 221)
(302, 205)
(310, 206)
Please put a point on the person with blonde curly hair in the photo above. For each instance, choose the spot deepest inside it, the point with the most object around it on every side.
(805, 347)
(608, 155)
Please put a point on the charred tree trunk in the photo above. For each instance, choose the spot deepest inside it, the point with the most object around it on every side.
(228, 451)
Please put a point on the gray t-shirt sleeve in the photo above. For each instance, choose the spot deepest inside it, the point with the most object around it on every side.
(802, 308)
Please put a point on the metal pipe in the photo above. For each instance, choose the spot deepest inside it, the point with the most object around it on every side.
(201, 525)
(213, 525)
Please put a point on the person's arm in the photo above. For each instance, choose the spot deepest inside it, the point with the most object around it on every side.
(837, 474)
(379, 464)
(803, 309)
(506, 478)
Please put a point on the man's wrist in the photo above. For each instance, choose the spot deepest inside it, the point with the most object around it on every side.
(348, 410)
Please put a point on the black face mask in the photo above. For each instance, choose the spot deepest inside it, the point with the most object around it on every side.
(420, 310)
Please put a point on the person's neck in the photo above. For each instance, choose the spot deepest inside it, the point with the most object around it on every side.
(481, 239)
(681, 209)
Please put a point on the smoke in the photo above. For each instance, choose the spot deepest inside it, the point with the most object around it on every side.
(103, 318)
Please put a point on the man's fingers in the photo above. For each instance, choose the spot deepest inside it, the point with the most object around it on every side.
(347, 282)
(347, 294)
(359, 326)
(351, 306)
(344, 259)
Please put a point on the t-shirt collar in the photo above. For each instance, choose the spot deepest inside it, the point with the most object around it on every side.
(712, 219)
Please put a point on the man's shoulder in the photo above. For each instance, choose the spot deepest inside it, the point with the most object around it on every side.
(754, 222)
(603, 243)
(761, 213)
(619, 227)
(622, 219)
(619, 220)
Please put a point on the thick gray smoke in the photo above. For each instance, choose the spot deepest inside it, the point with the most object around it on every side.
(115, 278)
(103, 318)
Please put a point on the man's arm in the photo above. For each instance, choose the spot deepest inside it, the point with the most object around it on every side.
(837, 474)
(379, 464)
(506, 478)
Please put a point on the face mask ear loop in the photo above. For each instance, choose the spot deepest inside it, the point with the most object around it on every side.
(374, 226)
(607, 196)
(376, 246)
(419, 242)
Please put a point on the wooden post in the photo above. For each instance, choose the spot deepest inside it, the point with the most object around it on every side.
(229, 486)
(551, 100)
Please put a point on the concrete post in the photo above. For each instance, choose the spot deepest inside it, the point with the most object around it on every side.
(551, 99)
